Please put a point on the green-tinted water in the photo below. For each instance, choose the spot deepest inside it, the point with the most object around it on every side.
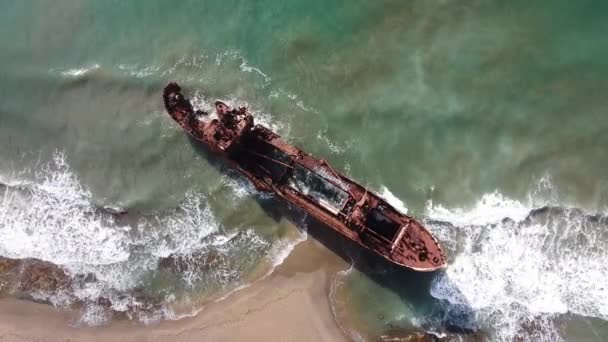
(442, 102)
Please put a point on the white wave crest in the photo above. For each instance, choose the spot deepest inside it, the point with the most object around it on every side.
(181, 230)
(522, 272)
(393, 200)
(77, 72)
(492, 208)
(281, 249)
(55, 221)
(52, 218)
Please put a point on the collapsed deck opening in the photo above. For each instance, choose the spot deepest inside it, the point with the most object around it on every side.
(317, 188)
(381, 224)
(269, 160)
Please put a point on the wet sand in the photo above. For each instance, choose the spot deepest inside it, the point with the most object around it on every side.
(289, 305)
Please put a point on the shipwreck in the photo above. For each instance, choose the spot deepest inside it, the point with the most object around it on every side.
(275, 166)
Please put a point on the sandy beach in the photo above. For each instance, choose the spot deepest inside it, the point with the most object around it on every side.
(289, 305)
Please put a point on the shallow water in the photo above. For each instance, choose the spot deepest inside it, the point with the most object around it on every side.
(464, 113)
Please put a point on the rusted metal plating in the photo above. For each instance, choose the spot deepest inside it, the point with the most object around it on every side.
(273, 165)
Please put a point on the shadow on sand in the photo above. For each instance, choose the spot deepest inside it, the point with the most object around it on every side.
(412, 287)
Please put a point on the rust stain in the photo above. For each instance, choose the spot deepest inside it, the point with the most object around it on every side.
(273, 165)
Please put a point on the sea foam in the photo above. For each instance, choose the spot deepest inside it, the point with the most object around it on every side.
(77, 72)
(520, 268)
(393, 200)
(52, 218)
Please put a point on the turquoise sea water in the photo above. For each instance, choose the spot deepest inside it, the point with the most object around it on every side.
(466, 113)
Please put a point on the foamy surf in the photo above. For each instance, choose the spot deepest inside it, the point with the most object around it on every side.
(278, 253)
(521, 274)
(205, 69)
(54, 221)
(338, 305)
(52, 218)
(200, 101)
(77, 72)
(393, 200)
(281, 248)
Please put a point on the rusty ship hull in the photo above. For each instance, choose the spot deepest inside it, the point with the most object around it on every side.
(275, 166)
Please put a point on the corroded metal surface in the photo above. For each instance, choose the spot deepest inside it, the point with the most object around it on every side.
(273, 165)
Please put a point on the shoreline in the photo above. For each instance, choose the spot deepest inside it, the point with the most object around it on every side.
(291, 304)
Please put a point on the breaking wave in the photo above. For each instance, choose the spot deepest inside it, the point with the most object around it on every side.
(53, 220)
(393, 200)
(148, 267)
(521, 266)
